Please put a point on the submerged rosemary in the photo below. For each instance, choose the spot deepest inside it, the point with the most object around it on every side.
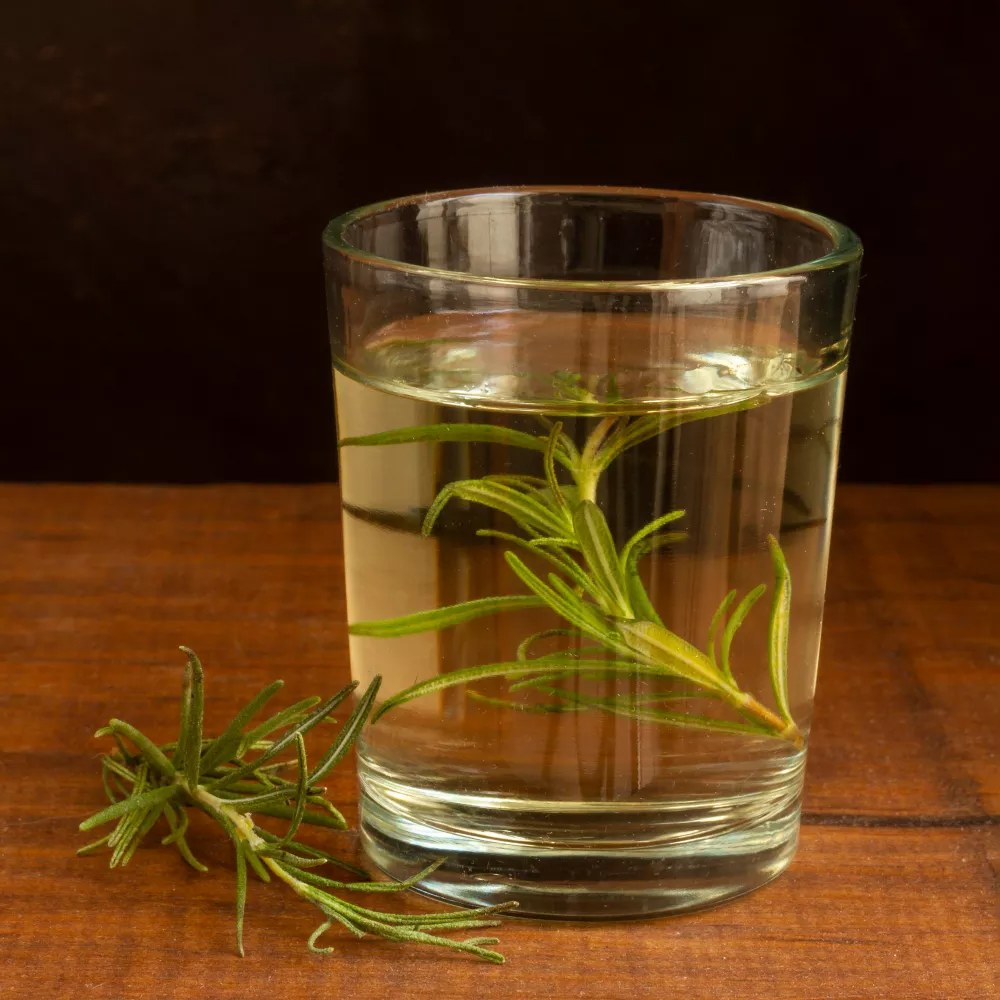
(594, 587)
(241, 773)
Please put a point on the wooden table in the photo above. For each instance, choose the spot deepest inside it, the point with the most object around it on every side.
(893, 893)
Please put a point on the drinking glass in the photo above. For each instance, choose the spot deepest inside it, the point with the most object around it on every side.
(588, 443)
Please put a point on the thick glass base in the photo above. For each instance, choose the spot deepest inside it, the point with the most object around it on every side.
(580, 867)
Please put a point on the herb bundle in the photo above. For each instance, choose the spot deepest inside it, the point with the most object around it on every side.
(243, 772)
(607, 621)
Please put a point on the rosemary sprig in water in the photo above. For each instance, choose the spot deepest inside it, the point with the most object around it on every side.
(594, 587)
(241, 773)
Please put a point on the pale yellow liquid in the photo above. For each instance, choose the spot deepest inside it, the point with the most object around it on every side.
(650, 817)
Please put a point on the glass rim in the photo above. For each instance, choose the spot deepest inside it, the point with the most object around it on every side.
(846, 246)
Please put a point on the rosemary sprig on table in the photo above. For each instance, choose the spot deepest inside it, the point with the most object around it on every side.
(594, 587)
(245, 771)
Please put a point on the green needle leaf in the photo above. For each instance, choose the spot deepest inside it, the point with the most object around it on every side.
(227, 745)
(446, 433)
(93, 846)
(154, 756)
(300, 792)
(634, 710)
(348, 733)
(524, 649)
(552, 551)
(656, 644)
(519, 668)
(550, 466)
(639, 598)
(286, 717)
(131, 819)
(315, 852)
(713, 629)
(781, 611)
(241, 894)
(256, 864)
(732, 626)
(188, 753)
(253, 803)
(587, 612)
(644, 428)
(440, 618)
(645, 532)
(331, 819)
(153, 796)
(316, 935)
(434, 511)
(123, 853)
(598, 548)
(463, 676)
(308, 723)
(178, 826)
(529, 512)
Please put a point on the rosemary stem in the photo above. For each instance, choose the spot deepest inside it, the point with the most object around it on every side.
(244, 827)
(242, 823)
(783, 730)
(588, 472)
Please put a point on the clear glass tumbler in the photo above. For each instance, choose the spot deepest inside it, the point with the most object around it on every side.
(588, 442)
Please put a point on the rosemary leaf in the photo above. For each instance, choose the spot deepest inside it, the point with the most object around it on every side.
(314, 852)
(447, 433)
(656, 644)
(178, 821)
(223, 748)
(517, 668)
(241, 894)
(178, 826)
(147, 748)
(732, 626)
(602, 560)
(550, 465)
(552, 551)
(123, 853)
(135, 802)
(257, 865)
(117, 768)
(330, 818)
(440, 618)
(599, 624)
(93, 846)
(526, 511)
(303, 727)
(639, 598)
(713, 629)
(286, 717)
(187, 757)
(315, 936)
(516, 706)
(345, 740)
(299, 808)
(133, 816)
(781, 609)
(644, 532)
(252, 803)
(561, 599)
(683, 719)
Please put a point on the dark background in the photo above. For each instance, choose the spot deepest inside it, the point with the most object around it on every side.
(166, 167)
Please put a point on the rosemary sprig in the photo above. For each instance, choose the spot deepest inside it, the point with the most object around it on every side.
(242, 772)
(594, 587)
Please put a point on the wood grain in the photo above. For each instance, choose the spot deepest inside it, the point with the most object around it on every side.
(893, 893)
